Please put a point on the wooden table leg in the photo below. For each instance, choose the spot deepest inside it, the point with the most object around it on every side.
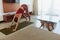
(52, 25)
(42, 23)
(47, 25)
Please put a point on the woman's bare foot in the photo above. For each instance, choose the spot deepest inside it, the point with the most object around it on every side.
(14, 29)
(8, 27)
(28, 20)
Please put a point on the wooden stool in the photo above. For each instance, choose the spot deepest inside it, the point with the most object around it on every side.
(48, 24)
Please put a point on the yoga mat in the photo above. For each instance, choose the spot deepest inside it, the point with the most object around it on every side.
(8, 31)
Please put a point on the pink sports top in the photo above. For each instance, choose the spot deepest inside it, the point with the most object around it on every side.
(19, 11)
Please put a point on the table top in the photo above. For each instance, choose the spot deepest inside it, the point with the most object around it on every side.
(48, 18)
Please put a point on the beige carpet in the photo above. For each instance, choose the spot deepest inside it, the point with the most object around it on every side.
(32, 33)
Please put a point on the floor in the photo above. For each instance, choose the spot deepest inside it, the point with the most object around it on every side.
(35, 24)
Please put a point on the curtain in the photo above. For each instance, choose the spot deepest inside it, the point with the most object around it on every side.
(49, 9)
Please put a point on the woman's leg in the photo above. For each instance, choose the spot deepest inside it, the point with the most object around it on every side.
(24, 16)
(27, 17)
(12, 22)
(19, 17)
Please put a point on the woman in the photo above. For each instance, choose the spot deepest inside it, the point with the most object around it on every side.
(26, 12)
(20, 12)
(17, 16)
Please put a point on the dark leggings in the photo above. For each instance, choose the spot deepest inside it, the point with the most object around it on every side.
(16, 19)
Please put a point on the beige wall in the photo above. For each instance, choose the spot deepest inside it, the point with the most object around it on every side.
(35, 7)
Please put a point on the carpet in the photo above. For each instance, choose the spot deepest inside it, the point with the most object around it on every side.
(8, 31)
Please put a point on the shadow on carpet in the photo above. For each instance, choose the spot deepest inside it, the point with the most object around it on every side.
(7, 31)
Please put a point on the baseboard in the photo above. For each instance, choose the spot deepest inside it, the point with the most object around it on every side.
(2, 21)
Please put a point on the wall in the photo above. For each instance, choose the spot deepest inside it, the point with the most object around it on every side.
(1, 10)
(32, 5)
(29, 3)
(35, 7)
(10, 7)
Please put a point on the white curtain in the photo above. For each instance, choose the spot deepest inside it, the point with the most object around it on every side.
(49, 9)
